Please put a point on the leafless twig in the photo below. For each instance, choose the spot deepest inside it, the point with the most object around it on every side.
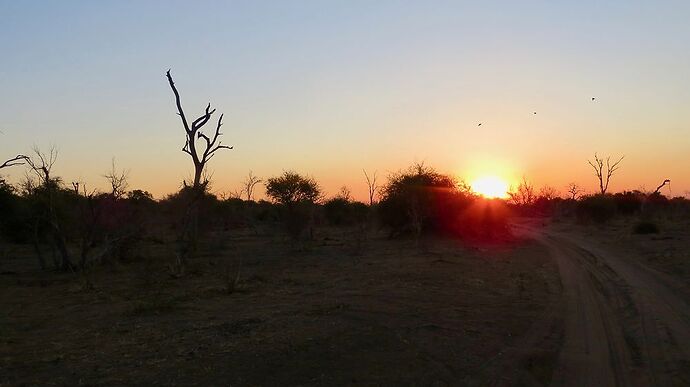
(17, 160)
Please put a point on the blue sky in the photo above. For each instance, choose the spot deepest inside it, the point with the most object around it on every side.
(328, 88)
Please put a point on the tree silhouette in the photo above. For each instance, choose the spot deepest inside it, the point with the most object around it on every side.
(200, 156)
(291, 188)
(524, 194)
(574, 190)
(548, 193)
(604, 171)
(658, 189)
(344, 194)
(413, 199)
(249, 184)
(193, 133)
(371, 185)
(41, 164)
(118, 181)
(297, 195)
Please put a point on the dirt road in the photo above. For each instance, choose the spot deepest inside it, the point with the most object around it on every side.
(620, 323)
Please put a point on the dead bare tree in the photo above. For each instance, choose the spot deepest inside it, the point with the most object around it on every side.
(371, 185)
(345, 194)
(249, 184)
(118, 181)
(574, 190)
(90, 213)
(228, 195)
(41, 165)
(193, 133)
(604, 171)
(200, 156)
(16, 160)
(548, 192)
(658, 189)
(524, 194)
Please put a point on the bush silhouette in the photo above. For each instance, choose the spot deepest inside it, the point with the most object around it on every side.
(342, 212)
(628, 202)
(421, 199)
(13, 226)
(297, 196)
(291, 188)
(597, 208)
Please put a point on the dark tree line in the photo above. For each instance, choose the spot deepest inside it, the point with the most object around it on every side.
(77, 227)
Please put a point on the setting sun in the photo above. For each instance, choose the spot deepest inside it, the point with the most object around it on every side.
(333, 165)
(490, 187)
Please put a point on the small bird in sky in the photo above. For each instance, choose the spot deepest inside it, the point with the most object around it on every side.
(480, 124)
(535, 112)
(593, 98)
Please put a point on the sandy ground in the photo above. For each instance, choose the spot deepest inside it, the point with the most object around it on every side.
(624, 323)
(667, 252)
(396, 314)
(564, 305)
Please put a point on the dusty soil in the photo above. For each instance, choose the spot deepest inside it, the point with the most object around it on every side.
(317, 314)
(625, 321)
(563, 304)
(667, 251)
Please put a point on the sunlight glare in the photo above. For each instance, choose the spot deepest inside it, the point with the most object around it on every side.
(490, 187)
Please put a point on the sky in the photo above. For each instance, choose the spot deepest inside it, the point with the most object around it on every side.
(328, 88)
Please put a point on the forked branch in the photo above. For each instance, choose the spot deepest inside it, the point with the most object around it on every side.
(604, 174)
(17, 160)
(371, 185)
(193, 133)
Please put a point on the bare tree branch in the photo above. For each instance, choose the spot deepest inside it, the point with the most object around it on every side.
(118, 181)
(604, 176)
(658, 189)
(610, 170)
(574, 190)
(17, 160)
(201, 121)
(371, 185)
(43, 164)
(249, 184)
(180, 112)
(524, 194)
(193, 133)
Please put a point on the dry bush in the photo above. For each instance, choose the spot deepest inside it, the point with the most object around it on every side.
(596, 208)
(420, 199)
(646, 227)
(297, 196)
(231, 277)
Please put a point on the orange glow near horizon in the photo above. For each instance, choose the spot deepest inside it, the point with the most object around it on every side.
(490, 187)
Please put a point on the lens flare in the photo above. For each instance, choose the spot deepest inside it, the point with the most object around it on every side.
(490, 187)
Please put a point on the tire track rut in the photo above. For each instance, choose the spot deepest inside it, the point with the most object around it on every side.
(623, 324)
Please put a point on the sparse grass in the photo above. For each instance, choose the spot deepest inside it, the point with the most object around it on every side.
(232, 276)
(86, 279)
(237, 327)
(155, 306)
(646, 227)
(289, 309)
